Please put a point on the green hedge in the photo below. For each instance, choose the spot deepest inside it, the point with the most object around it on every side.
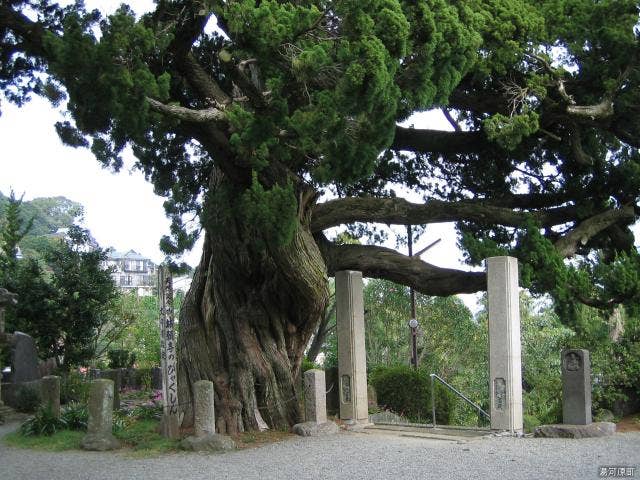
(407, 392)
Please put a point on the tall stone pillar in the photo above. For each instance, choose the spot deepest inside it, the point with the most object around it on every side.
(505, 364)
(352, 358)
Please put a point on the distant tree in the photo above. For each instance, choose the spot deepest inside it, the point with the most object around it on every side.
(84, 291)
(13, 229)
(46, 215)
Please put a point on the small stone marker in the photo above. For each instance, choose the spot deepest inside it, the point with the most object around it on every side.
(205, 437)
(315, 406)
(99, 429)
(50, 388)
(576, 387)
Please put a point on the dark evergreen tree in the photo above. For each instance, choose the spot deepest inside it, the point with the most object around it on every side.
(250, 124)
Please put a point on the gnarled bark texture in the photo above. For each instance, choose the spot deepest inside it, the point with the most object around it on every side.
(246, 321)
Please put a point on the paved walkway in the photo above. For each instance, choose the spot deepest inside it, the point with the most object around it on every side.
(344, 456)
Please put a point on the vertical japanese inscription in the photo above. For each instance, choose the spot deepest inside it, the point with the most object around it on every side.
(500, 393)
(168, 353)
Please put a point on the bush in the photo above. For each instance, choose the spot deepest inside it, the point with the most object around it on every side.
(147, 412)
(530, 423)
(407, 392)
(44, 422)
(74, 388)
(308, 365)
(121, 358)
(27, 399)
(76, 416)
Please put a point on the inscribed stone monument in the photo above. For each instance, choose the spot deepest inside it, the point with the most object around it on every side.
(352, 360)
(576, 387)
(504, 345)
(24, 359)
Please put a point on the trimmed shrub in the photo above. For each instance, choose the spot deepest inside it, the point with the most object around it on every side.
(407, 392)
(121, 358)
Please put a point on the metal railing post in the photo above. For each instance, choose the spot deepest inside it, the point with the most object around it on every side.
(457, 392)
(433, 402)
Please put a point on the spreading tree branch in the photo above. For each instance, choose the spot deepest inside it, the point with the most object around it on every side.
(420, 140)
(388, 264)
(187, 114)
(569, 243)
(401, 212)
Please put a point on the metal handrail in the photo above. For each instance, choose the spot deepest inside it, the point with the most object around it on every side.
(454, 390)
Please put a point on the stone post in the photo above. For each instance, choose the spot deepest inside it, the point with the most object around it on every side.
(205, 437)
(315, 399)
(505, 362)
(205, 418)
(115, 375)
(50, 389)
(352, 360)
(99, 429)
(576, 387)
(315, 407)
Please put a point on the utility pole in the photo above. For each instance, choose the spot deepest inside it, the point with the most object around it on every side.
(413, 322)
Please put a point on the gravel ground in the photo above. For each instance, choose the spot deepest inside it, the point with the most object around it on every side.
(344, 456)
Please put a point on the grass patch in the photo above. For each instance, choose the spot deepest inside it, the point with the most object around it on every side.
(58, 442)
(143, 439)
(140, 438)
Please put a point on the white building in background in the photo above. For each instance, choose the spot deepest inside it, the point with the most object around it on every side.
(132, 272)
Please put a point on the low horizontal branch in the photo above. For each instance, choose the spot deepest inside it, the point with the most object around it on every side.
(388, 264)
(401, 212)
(438, 141)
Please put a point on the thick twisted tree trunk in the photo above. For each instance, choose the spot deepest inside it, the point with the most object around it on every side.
(247, 319)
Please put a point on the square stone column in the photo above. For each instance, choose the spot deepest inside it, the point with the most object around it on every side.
(352, 358)
(315, 401)
(505, 364)
(576, 387)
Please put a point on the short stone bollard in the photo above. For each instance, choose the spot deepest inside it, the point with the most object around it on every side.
(99, 429)
(315, 407)
(114, 374)
(50, 389)
(205, 437)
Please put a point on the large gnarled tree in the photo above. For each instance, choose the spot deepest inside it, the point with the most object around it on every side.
(251, 123)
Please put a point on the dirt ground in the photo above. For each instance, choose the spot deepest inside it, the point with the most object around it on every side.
(630, 423)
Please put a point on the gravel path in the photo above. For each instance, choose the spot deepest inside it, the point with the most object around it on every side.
(344, 456)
